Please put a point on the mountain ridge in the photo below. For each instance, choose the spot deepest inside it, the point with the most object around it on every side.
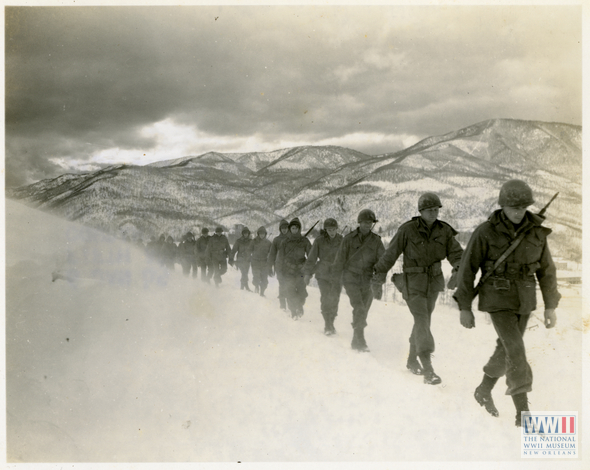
(465, 167)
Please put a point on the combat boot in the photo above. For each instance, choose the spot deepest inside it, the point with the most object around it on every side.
(358, 340)
(262, 289)
(329, 326)
(413, 365)
(483, 394)
(521, 404)
(430, 376)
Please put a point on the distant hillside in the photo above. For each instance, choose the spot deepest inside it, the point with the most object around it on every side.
(466, 168)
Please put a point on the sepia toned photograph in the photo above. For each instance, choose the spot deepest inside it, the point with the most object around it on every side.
(319, 234)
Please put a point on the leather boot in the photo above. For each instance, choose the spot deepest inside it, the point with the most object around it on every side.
(521, 403)
(412, 364)
(358, 340)
(483, 394)
(430, 376)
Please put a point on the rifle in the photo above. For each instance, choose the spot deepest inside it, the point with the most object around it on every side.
(508, 251)
(345, 227)
(312, 227)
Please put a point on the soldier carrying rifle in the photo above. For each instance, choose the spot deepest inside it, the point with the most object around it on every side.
(511, 251)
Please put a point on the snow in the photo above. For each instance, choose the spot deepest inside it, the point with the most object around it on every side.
(409, 186)
(119, 361)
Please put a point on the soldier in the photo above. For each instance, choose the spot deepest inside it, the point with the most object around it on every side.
(241, 248)
(200, 249)
(160, 248)
(292, 255)
(217, 252)
(169, 252)
(325, 248)
(424, 242)
(186, 254)
(508, 294)
(356, 257)
(273, 262)
(260, 249)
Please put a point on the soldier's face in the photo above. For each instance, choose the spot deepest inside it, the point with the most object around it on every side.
(261, 235)
(429, 215)
(294, 229)
(331, 231)
(515, 214)
(284, 230)
(365, 226)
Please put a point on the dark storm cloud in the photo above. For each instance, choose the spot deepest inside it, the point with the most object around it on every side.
(81, 80)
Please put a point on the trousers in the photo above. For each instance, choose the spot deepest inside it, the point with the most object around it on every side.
(509, 357)
(421, 308)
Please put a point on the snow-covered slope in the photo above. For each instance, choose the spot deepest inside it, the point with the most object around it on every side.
(121, 361)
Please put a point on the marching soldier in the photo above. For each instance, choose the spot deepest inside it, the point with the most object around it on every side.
(292, 255)
(319, 262)
(424, 242)
(508, 290)
(200, 249)
(217, 252)
(241, 248)
(274, 264)
(354, 263)
(169, 252)
(258, 259)
(186, 254)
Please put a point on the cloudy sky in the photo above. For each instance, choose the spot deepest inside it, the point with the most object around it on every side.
(91, 86)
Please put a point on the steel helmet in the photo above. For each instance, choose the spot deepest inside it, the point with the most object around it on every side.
(366, 215)
(515, 193)
(428, 200)
(261, 230)
(330, 223)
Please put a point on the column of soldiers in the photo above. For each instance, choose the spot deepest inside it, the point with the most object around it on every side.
(359, 262)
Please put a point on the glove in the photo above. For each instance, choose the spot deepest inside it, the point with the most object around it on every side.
(377, 290)
(452, 284)
(306, 279)
(467, 319)
(550, 318)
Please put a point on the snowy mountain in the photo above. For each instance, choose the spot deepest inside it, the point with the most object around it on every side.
(118, 360)
(465, 167)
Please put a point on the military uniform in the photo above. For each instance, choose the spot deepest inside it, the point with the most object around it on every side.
(516, 240)
(274, 264)
(217, 253)
(423, 249)
(293, 252)
(319, 262)
(509, 295)
(258, 259)
(186, 254)
(241, 250)
(354, 264)
(169, 252)
(200, 249)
